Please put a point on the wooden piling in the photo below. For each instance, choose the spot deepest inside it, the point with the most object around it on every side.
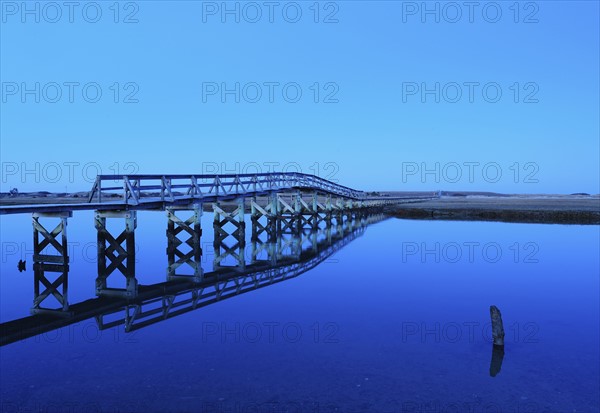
(497, 326)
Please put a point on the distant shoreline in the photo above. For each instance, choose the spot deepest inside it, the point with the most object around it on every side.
(582, 209)
(564, 209)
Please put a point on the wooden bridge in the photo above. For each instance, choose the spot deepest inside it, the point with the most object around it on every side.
(278, 204)
(147, 192)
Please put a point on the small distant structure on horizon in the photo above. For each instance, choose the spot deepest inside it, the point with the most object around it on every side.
(13, 192)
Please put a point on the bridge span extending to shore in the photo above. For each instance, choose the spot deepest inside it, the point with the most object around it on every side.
(279, 204)
(159, 192)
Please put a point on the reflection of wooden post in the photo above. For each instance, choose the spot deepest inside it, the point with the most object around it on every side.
(222, 249)
(498, 336)
(497, 357)
(180, 261)
(497, 327)
(113, 257)
(50, 256)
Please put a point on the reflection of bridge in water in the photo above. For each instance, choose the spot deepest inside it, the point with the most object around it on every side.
(288, 211)
(274, 257)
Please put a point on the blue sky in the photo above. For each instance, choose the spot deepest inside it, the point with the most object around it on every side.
(361, 67)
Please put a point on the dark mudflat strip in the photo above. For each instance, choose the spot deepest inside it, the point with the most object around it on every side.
(559, 210)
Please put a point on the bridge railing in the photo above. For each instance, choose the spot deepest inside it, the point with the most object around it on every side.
(135, 189)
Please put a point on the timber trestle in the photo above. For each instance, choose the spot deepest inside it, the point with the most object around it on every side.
(292, 216)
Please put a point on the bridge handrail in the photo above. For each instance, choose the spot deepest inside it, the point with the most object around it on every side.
(132, 187)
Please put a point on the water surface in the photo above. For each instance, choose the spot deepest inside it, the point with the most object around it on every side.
(396, 321)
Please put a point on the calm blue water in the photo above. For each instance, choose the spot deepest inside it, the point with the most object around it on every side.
(397, 321)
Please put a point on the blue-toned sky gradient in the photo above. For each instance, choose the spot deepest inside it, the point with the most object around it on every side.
(368, 128)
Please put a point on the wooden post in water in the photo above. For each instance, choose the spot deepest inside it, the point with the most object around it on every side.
(497, 326)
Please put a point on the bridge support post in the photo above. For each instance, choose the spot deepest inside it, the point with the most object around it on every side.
(176, 257)
(328, 210)
(237, 250)
(274, 216)
(122, 259)
(338, 211)
(308, 212)
(257, 212)
(315, 211)
(289, 214)
(297, 218)
(44, 263)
